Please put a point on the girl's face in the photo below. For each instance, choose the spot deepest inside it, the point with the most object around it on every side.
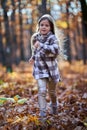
(44, 27)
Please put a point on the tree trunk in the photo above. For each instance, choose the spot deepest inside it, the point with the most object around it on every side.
(21, 31)
(2, 56)
(68, 47)
(1, 45)
(84, 28)
(13, 34)
(7, 48)
(43, 8)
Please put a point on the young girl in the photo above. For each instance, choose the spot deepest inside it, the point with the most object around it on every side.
(45, 49)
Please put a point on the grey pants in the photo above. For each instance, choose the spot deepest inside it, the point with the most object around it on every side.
(42, 89)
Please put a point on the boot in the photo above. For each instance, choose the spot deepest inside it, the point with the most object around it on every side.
(42, 113)
(54, 108)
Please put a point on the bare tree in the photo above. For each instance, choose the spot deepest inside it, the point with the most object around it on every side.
(7, 48)
(84, 25)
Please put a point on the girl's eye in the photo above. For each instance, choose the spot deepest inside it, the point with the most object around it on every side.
(41, 25)
(44, 25)
(47, 25)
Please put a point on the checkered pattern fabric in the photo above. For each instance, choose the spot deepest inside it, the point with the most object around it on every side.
(45, 57)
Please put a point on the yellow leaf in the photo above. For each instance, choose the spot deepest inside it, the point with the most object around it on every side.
(9, 120)
(17, 120)
(48, 121)
(16, 97)
(62, 24)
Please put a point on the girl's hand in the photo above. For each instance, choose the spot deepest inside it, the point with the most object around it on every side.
(31, 61)
(37, 44)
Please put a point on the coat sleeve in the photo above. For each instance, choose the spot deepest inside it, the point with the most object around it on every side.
(33, 39)
(51, 46)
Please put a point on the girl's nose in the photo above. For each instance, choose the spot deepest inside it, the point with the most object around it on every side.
(44, 27)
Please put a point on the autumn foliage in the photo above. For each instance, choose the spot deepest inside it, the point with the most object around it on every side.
(19, 106)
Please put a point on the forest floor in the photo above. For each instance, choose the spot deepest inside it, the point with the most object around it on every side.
(19, 99)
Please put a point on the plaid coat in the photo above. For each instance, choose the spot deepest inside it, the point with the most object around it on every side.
(45, 57)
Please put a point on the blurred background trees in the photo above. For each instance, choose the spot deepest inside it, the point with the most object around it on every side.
(18, 20)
